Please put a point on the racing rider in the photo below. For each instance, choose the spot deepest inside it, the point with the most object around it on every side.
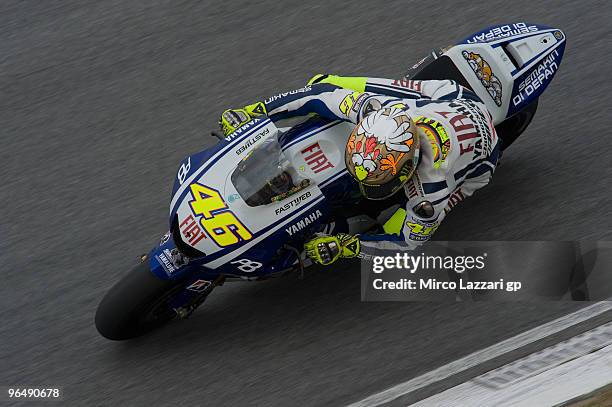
(432, 139)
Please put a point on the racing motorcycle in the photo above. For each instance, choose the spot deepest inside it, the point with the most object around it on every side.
(243, 208)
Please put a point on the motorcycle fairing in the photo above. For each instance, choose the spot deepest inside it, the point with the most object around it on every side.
(194, 162)
(316, 149)
(517, 60)
(502, 32)
(321, 144)
(252, 224)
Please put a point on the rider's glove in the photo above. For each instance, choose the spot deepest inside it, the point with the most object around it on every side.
(231, 119)
(320, 78)
(325, 249)
(347, 82)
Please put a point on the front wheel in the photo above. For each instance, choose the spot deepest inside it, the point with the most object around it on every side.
(137, 304)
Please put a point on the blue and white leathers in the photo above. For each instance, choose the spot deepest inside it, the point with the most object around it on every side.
(459, 146)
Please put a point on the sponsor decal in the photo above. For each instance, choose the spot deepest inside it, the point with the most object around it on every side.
(233, 198)
(536, 78)
(258, 109)
(484, 126)
(415, 66)
(419, 230)
(464, 130)
(414, 186)
(503, 31)
(184, 171)
(242, 129)
(472, 128)
(171, 260)
(483, 71)
(252, 140)
(303, 184)
(293, 203)
(454, 199)
(191, 230)
(303, 223)
(353, 246)
(164, 238)
(199, 285)
(437, 136)
(165, 262)
(316, 158)
(409, 83)
(293, 92)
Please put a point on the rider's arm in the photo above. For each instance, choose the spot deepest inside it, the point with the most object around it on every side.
(399, 88)
(415, 223)
(344, 98)
(414, 89)
(427, 206)
(327, 100)
(408, 228)
(409, 225)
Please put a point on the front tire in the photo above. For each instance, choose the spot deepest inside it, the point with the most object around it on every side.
(135, 305)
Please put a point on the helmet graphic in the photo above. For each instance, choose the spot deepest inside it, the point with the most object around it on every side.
(382, 152)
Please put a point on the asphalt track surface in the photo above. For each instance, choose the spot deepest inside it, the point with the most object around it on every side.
(99, 100)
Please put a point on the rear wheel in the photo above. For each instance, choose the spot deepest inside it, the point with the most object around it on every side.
(511, 128)
(137, 304)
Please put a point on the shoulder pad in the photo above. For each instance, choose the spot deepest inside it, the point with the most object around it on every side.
(424, 209)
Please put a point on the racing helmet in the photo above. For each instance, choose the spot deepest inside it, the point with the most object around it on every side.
(382, 152)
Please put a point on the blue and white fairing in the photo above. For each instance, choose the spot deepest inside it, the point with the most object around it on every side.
(313, 151)
(509, 65)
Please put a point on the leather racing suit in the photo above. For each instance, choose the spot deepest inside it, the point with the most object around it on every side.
(459, 145)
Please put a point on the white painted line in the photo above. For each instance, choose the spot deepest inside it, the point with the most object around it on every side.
(484, 355)
(550, 377)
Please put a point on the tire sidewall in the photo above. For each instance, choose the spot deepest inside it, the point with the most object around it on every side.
(122, 312)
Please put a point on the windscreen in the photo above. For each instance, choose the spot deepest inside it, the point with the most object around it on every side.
(265, 175)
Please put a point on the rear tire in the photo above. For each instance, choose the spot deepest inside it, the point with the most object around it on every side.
(511, 128)
(135, 305)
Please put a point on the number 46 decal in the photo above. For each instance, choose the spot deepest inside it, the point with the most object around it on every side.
(217, 220)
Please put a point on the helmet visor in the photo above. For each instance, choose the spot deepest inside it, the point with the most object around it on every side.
(384, 191)
(379, 192)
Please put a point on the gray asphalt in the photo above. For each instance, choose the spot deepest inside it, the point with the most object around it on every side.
(100, 100)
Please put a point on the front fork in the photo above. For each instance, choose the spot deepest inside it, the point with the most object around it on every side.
(168, 263)
(185, 310)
